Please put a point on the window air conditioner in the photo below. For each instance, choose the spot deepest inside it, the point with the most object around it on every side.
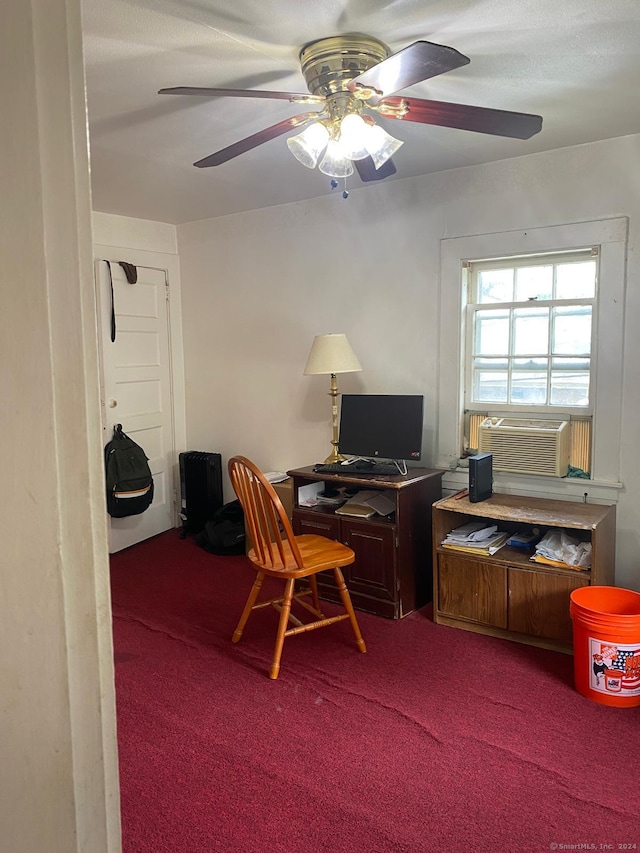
(527, 446)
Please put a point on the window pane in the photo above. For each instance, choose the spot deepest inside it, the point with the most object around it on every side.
(572, 330)
(570, 382)
(537, 356)
(529, 382)
(534, 283)
(531, 331)
(495, 286)
(492, 333)
(490, 386)
(576, 281)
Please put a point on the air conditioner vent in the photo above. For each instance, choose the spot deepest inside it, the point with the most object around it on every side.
(525, 446)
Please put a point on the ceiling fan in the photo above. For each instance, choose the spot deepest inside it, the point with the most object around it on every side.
(355, 77)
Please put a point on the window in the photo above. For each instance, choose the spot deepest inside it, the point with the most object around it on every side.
(531, 324)
(529, 327)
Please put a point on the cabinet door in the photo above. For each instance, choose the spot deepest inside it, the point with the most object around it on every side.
(371, 579)
(539, 603)
(374, 572)
(472, 589)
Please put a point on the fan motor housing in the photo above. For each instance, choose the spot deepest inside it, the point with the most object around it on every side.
(329, 64)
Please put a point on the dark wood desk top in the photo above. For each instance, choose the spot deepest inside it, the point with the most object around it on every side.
(387, 481)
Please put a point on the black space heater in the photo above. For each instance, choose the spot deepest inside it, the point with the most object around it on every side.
(200, 488)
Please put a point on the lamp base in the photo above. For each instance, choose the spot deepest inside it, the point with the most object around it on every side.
(335, 457)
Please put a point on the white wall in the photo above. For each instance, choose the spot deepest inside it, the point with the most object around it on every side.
(59, 776)
(258, 286)
(129, 233)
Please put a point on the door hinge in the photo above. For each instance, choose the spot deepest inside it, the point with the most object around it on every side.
(166, 290)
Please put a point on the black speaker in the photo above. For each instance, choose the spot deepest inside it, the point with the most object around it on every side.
(480, 477)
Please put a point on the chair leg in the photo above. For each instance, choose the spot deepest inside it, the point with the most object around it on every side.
(282, 627)
(313, 583)
(253, 595)
(348, 606)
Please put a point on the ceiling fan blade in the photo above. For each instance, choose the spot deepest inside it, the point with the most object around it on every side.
(419, 61)
(255, 139)
(243, 93)
(463, 117)
(368, 172)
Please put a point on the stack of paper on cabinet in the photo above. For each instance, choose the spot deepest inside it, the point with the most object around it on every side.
(476, 537)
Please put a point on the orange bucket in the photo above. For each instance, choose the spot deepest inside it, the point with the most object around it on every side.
(606, 644)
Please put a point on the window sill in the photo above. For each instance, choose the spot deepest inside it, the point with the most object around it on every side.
(560, 488)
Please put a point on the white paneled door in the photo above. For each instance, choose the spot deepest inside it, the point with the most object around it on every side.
(136, 386)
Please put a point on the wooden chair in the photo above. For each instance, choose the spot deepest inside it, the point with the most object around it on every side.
(277, 552)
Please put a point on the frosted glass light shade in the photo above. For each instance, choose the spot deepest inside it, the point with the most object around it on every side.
(354, 133)
(309, 145)
(334, 163)
(381, 145)
(331, 354)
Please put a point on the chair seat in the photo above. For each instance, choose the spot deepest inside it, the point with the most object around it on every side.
(318, 553)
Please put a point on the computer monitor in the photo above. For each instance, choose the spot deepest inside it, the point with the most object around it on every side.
(387, 426)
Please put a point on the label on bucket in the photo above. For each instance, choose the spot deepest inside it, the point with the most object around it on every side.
(615, 668)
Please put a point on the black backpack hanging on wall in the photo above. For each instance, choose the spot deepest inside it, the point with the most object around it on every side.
(128, 476)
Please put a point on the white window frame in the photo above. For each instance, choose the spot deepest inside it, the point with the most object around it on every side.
(610, 236)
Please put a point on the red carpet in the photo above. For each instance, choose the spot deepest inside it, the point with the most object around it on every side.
(435, 740)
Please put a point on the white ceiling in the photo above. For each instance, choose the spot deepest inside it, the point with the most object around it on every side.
(574, 62)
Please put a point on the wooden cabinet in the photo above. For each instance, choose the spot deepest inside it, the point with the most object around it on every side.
(392, 572)
(284, 491)
(505, 594)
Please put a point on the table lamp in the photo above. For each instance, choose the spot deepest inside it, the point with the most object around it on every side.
(332, 354)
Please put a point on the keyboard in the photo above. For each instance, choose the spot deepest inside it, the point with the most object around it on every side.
(362, 466)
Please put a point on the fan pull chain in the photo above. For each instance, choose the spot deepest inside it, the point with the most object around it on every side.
(334, 184)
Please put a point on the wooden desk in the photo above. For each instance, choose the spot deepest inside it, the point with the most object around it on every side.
(392, 572)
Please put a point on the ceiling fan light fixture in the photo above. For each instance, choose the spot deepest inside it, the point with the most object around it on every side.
(309, 145)
(353, 73)
(335, 163)
(354, 135)
(381, 146)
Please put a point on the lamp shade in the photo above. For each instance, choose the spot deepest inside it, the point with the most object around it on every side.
(354, 133)
(309, 145)
(335, 162)
(381, 145)
(331, 354)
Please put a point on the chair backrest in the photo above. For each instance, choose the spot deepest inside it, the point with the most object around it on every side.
(271, 533)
